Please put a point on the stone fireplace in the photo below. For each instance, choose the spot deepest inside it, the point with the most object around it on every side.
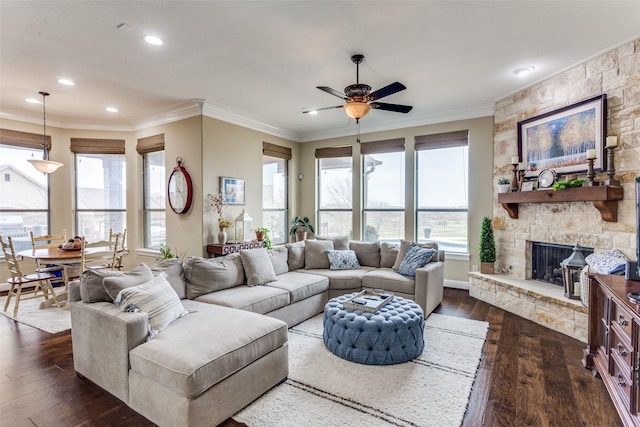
(546, 259)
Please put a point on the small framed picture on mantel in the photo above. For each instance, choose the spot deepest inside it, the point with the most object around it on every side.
(528, 186)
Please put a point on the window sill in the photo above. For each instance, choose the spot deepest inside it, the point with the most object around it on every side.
(148, 252)
(456, 256)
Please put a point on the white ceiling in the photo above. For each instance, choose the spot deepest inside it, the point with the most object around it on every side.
(258, 63)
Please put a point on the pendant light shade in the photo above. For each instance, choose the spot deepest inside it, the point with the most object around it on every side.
(45, 165)
(356, 109)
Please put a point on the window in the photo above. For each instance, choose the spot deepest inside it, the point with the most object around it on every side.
(443, 204)
(20, 214)
(101, 191)
(275, 191)
(335, 192)
(154, 218)
(383, 190)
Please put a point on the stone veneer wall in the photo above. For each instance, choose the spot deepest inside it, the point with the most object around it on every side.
(615, 73)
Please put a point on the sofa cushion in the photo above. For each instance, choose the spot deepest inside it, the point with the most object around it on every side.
(258, 299)
(91, 286)
(389, 280)
(368, 253)
(207, 361)
(279, 257)
(342, 279)
(257, 266)
(204, 275)
(156, 299)
(388, 254)
(340, 243)
(300, 285)
(404, 247)
(295, 256)
(343, 260)
(415, 258)
(114, 284)
(174, 268)
(315, 253)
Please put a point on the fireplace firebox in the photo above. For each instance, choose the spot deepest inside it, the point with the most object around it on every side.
(546, 259)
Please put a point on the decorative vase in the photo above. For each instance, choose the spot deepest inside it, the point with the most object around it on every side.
(301, 235)
(504, 188)
(222, 236)
(259, 236)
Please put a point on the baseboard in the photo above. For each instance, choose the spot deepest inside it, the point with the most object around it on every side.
(456, 284)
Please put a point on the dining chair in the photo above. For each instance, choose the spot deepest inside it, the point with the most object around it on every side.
(17, 281)
(121, 248)
(104, 256)
(50, 241)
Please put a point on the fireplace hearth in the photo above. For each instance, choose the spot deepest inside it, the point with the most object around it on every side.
(546, 259)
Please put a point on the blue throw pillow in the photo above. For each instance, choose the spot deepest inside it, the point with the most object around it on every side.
(415, 258)
(343, 260)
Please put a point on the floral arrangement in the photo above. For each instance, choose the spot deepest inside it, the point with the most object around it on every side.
(224, 223)
(217, 203)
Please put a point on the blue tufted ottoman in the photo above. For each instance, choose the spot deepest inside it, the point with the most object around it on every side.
(393, 334)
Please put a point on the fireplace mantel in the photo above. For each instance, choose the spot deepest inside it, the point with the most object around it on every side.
(604, 197)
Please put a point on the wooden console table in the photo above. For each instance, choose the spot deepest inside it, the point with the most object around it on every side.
(613, 351)
(229, 248)
(604, 197)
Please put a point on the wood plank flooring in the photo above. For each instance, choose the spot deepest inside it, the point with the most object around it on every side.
(528, 376)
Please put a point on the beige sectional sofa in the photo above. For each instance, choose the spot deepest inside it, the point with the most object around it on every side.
(231, 347)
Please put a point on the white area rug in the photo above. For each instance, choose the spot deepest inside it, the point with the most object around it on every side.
(52, 320)
(323, 390)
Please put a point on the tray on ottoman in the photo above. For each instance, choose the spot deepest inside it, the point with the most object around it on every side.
(368, 300)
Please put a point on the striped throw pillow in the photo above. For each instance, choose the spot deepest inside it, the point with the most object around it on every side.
(157, 299)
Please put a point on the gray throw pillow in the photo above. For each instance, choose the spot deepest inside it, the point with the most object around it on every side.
(404, 247)
(139, 275)
(340, 243)
(279, 257)
(295, 257)
(174, 268)
(368, 253)
(205, 275)
(315, 253)
(91, 287)
(257, 266)
(388, 254)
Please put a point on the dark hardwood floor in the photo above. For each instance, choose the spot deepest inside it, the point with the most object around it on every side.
(529, 376)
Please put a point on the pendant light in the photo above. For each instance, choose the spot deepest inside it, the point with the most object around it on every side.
(45, 165)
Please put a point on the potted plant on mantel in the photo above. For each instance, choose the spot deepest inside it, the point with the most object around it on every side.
(262, 234)
(299, 228)
(487, 252)
(504, 185)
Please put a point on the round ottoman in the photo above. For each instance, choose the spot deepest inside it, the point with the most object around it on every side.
(393, 334)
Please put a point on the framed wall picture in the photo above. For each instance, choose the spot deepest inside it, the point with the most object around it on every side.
(528, 185)
(559, 139)
(233, 191)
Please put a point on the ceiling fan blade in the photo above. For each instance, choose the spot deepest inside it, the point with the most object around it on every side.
(333, 92)
(386, 91)
(391, 107)
(320, 109)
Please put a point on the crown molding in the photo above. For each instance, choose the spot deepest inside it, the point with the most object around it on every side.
(172, 113)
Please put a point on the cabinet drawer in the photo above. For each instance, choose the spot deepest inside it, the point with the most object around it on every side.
(622, 383)
(621, 346)
(622, 318)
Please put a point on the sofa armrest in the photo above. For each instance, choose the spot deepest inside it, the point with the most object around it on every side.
(102, 337)
(429, 286)
(73, 291)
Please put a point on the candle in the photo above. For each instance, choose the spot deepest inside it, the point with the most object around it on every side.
(612, 141)
(591, 154)
(522, 166)
(515, 160)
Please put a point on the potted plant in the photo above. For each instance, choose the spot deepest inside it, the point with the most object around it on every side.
(504, 185)
(262, 233)
(487, 251)
(299, 228)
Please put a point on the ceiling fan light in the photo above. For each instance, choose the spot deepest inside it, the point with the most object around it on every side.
(45, 166)
(356, 109)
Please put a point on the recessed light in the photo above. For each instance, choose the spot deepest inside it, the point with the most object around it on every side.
(33, 101)
(153, 40)
(313, 113)
(66, 82)
(524, 71)
(112, 109)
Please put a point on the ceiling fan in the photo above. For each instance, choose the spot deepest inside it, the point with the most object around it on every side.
(359, 98)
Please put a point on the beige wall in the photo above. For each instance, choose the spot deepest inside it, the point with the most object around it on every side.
(480, 177)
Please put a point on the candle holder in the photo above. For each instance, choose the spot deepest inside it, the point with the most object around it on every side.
(514, 178)
(520, 179)
(610, 168)
(590, 174)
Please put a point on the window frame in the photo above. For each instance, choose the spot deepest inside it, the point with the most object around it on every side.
(285, 209)
(345, 152)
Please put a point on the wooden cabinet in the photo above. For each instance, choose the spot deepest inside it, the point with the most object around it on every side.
(613, 351)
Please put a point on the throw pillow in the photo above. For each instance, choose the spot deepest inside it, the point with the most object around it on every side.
(174, 268)
(608, 262)
(388, 254)
(279, 257)
(295, 257)
(315, 253)
(156, 299)
(91, 287)
(404, 247)
(257, 266)
(343, 260)
(139, 275)
(368, 253)
(205, 275)
(415, 258)
(340, 243)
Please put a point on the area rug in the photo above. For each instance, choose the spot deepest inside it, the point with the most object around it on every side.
(51, 320)
(322, 389)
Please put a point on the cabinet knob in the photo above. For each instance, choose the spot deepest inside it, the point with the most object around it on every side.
(621, 350)
(621, 381)
(621, 320)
